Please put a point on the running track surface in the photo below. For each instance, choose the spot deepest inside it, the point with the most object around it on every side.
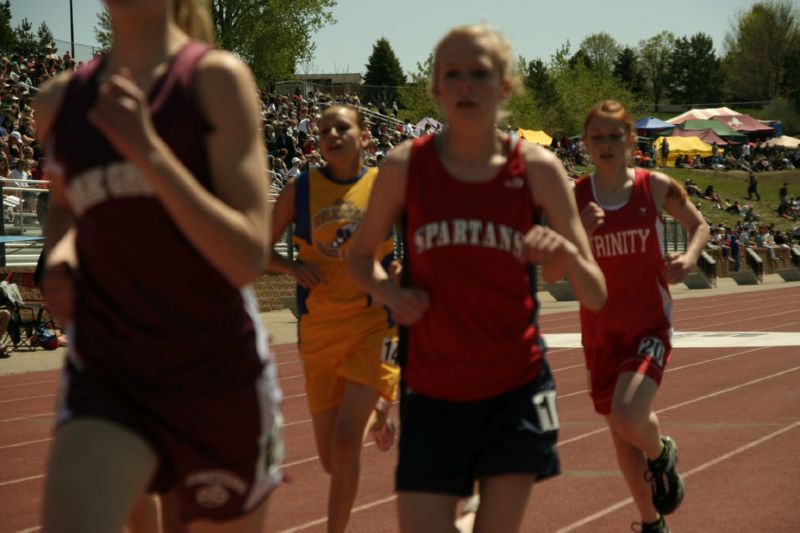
(735, 413)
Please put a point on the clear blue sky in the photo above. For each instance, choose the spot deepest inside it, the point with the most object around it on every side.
(535, 28)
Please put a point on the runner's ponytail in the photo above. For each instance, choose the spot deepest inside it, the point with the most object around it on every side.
(194, 18)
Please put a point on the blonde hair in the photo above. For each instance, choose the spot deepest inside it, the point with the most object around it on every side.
(499, 48)
(194, 18)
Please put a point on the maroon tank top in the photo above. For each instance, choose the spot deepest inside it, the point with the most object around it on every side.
(150, 311)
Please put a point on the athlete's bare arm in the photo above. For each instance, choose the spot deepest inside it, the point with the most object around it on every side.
(282, 215)
(229, 227)
(61, 259)
(670, 196)
(46, 106)
(568, 251)
(385, 206)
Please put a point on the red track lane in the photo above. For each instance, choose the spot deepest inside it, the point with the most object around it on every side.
(733, 412)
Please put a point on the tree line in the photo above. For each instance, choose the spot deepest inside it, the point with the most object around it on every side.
(760, 64)
(22, 39)
(271, 36)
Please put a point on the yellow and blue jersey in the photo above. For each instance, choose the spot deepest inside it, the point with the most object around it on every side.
(328, 213)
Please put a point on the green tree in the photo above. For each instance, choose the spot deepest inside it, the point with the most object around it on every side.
(44, 37)
(783, 110)
(654, 58)
(581, 57)
(384, 74)
(26, 41)
(8, 40)
(582, 87)
(696, 72)
(102, 31)
(629, 71)
(272, 36)
(521, 111)
(758, 46)
(560, 58)
(416, 98)
(791, 79)
(537, 79)
(600, 50)
(541, 105)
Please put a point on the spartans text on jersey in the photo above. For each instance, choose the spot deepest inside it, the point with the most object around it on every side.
(467, 232)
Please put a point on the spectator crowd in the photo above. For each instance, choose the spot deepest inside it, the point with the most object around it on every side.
(21, 157)
(292, 137)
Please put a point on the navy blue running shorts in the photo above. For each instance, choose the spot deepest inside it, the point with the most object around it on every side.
(446, 446)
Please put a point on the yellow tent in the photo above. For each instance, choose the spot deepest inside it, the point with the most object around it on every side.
(535, 136)
(683, 146)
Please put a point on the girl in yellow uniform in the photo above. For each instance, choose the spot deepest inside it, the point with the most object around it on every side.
(346, 341)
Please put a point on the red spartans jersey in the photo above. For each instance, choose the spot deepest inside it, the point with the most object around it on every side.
(148, 304)
(627, 247)
(479, 338)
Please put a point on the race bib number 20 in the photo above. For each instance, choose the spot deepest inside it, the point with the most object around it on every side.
(654, 347)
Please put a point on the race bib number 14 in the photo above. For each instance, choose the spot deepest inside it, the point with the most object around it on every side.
(389, 351)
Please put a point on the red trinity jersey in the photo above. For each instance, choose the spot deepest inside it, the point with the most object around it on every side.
(479, 338)
(627, 246)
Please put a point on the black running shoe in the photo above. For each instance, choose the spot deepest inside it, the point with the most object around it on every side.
(666, 483)
(659, 526)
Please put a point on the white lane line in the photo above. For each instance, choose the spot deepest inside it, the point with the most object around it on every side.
(320, 521)
(675, 369)
(700, 339)
(618, 505)
(28, 417)
(28, 383)
(586, 520)
(724, 457)
(748, 319)
(28, 398)
(712, 360)
(18, 444)
(729, 389)
(20, 480)
(297, 422)
(563, 368)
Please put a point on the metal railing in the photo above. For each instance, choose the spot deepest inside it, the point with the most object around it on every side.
(755, 263)
(707, 266)
(23, 219)
(674, 237)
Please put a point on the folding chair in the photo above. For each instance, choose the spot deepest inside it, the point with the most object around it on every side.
(30, 325)
(11, 208)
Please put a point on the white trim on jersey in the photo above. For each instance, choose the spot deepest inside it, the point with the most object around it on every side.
(615, 207)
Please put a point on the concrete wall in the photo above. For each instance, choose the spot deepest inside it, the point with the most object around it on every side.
(272, 290)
